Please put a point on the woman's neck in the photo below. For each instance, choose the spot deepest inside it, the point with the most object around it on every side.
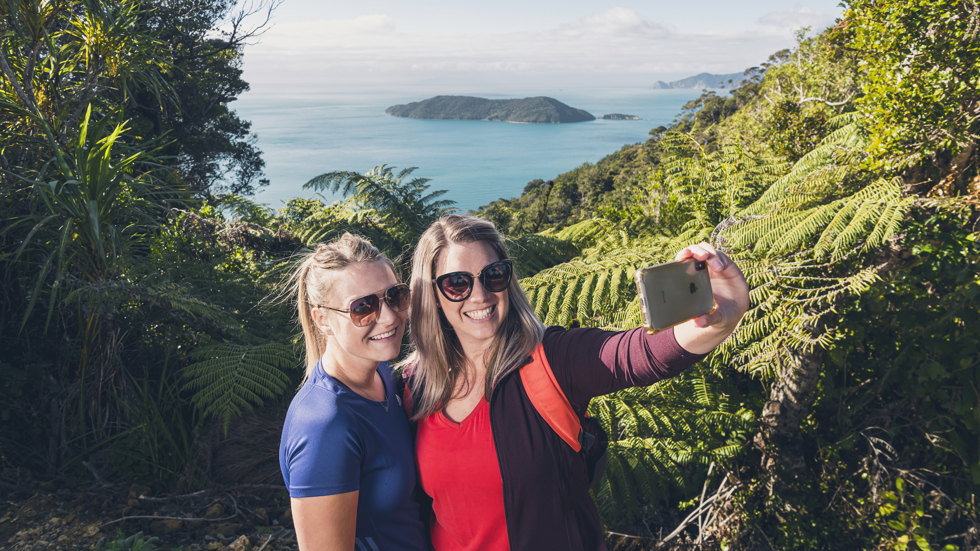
(475, 356)
(362, 378)
(474, 371)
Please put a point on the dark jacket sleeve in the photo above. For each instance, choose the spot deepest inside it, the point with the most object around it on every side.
(592, 362)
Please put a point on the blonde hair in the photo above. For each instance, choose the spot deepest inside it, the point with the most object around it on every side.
(438, 356)
(310, 284)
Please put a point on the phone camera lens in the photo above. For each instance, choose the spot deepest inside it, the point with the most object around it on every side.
(699, 265)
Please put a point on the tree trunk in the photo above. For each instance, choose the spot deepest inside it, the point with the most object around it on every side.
(953, 180)
(789, 404)
(792, 395)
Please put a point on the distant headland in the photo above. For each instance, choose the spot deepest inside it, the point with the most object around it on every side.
(538, 110)
(705, 80)
(620, 117)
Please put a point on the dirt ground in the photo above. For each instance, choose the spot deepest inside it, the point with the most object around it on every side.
(237, 518)
(231, 519)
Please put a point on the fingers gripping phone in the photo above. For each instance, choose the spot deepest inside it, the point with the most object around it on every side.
(674, 292)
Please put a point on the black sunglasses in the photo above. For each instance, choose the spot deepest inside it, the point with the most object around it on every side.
(365, 310)
(457, 286)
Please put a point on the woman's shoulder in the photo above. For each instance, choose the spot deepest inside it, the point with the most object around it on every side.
(555, 331)
(316, 404)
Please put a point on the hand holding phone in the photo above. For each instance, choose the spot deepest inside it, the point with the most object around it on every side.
(731, 294)
(674, 292)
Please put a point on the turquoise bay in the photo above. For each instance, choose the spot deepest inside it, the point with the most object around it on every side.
(305, 135)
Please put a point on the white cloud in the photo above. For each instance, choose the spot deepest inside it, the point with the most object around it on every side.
(614, 22)
(796, 18)
(327, 33)
(615, 41)
(372, 24)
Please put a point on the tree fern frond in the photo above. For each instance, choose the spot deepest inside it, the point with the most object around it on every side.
(840, 152)
(401, 208)
(657, 432)
(584, 298)
(889, 223)
(343, 181)
(556, 296)
(569, 303)
(232, 379)
(535, 252)
(799, 229)
(839, 224)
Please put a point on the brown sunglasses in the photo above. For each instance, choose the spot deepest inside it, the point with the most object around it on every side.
(365, 310)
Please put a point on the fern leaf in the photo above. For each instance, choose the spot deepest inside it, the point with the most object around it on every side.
(231, 379)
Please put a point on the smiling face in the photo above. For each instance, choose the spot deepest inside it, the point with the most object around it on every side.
(477, 319)
(355, 347)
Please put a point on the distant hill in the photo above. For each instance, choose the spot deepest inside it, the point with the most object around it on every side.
(620, 117)
(704, 80)
(466, 108)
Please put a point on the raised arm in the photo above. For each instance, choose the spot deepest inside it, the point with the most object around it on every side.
(591, 362)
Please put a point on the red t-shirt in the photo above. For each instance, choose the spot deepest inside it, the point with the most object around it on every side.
(459, 469)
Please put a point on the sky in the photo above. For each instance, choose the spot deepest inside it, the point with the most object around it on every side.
(510, 45)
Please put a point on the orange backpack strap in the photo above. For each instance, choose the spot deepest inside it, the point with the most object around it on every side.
(543, 390)
(401, 387)
(407, 401)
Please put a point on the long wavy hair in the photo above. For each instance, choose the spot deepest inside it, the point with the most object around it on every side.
(310, 283)
(437, 361)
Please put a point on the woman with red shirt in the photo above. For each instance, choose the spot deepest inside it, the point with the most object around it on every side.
(499, 476)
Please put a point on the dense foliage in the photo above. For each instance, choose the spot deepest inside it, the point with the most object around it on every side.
(140, 326)
(844, 182)
(109, 279)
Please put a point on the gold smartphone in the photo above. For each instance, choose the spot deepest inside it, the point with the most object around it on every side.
(674, 292)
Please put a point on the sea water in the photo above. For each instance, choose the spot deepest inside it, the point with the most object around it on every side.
(305, 135)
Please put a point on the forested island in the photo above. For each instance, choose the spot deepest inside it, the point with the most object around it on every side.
(536, 110)
(146, 366)
(705, 80)
(620, 117)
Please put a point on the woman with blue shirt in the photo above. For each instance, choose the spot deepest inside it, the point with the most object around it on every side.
(346, 453)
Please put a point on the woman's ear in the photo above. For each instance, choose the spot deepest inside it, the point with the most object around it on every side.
(320, 320)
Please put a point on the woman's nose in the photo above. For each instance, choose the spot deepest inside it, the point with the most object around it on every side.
(479, 293)
(386, 314)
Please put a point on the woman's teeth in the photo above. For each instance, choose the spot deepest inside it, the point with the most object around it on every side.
(383, 335)
(480, 314)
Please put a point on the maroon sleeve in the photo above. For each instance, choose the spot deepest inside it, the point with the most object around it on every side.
(592, 362)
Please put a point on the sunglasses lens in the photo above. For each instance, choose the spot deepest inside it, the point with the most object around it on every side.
(456, 286)
(496, 277)
(398, 297)
(364, 311)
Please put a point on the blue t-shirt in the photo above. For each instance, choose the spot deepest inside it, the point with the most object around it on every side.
(335, 441)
